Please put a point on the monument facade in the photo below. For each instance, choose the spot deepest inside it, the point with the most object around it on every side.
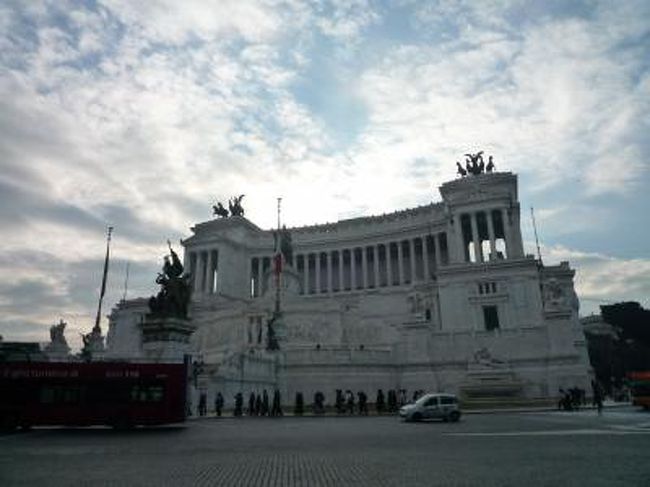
(439, 298)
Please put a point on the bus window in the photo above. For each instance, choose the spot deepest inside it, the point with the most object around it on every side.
(156, 393)
(147, 393)
(59, 394)
(47, 395)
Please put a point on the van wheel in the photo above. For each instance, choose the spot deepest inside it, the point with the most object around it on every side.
(416, 417)
(454, 416)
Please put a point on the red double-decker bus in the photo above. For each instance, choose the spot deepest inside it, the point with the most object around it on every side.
(121, 395)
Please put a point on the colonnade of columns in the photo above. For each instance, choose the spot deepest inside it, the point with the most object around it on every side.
(361, 267)
(203, 268)
(485, 235)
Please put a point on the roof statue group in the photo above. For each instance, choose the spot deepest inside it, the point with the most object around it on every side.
(175, 289)
(234, 208)
(474, 165)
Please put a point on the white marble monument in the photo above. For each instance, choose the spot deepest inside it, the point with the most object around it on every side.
(406, 300)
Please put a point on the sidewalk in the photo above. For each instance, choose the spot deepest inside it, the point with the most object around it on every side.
(608, 404)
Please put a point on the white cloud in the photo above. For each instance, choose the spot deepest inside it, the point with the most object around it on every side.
(603, 279)
(146, 112)
(178, 22)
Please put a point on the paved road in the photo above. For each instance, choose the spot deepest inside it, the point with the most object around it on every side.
(551, 448)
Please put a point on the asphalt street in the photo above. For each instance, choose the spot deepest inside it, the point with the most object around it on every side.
(542, 448)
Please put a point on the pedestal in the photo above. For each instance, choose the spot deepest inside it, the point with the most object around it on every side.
(57, 352)
(166, 339)
(93, 348)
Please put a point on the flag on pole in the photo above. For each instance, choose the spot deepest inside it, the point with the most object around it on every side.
(103, 289)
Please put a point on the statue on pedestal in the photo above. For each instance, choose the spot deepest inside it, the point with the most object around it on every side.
(175, 289)
(219, 210)
(93, 341)
(475, 165)
(236, 209)
(57, 338)
(58, 347)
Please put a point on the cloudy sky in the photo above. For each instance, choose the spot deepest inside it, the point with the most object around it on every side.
(142, 114)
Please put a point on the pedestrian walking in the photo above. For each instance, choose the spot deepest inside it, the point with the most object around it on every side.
(276, 410)
(258, 405)
(402, 397)
(598, 396)
(251, 404)
(239, 402)
(349, 401)
(203, 404)
(218, 404)
(265, 403)
(319, 400)
(379, 403)
(340, 402)
(363, 403)
(392, 401)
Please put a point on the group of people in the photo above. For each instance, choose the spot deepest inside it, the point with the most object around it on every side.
(346, 402)
(571, 399)
(202, 409)
(384, 403)
(574, 398)
(258, 404)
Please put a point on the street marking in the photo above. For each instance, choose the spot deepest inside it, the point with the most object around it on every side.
(575, 432)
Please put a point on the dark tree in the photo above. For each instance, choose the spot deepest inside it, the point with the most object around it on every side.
(631, 319)
(630, 351)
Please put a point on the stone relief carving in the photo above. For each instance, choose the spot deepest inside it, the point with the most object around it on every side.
(483, 358)
(557, 297)
(309, 332)
(418, 304)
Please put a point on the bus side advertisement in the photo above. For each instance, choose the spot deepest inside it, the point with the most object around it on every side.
(84, 394)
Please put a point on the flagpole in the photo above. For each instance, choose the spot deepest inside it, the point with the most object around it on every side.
(126, 282)
(278, 255)
(96, 328)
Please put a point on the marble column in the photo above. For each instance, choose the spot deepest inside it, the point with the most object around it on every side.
(209, 275)
(507, 235)
(400, 263)
(199, 272)
(195, 272)
(475, 238)
(306, 276)
(436, 249)
(364, 266)
(389, 265)
(330, 277)
(318, 276)
(490, 228)
(425, 258)
(412, 259)
(353, 269)
(341, 287)
(375, 255)
(457, 249)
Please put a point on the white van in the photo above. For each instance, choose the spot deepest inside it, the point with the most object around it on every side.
(432, 406)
